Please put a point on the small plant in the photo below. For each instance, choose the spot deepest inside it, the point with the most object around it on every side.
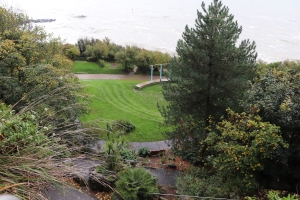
(163, 157)
(114, 149)
(136, 184)
(127, 154)
(171, 158)
(274, 195)
(144, 152)
(144, 161)
(112, 155)
(101, 170)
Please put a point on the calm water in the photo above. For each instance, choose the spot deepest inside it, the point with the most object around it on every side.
(158, 24)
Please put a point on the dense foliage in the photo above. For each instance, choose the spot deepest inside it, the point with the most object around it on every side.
(35, 72)
(95, 50)
(145, 58)
(243, 145)
(276, 94)
(39, 102)
(25, 154)
(199, 182)
(209, 75)
(144, 152)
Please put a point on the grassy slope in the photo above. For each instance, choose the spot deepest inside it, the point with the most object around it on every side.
(83, 67)
(116, 99)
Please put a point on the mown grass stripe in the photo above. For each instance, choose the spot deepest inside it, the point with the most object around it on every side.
(117, 99)
(119, 103)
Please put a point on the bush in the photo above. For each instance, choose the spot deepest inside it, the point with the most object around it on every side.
(101, 63)
(144, 152)
(112, 155)
(127, 154)
(243, 145)
(136, 184)
(120, 126)
(112, 150)
(198, 182)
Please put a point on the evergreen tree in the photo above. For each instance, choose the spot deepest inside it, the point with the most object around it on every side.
(209, 75)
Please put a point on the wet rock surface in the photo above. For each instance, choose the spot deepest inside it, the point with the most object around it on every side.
(165, 176)
(67, 193)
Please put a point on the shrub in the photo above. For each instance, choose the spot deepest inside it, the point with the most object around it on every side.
(144, 152)
(101, 63)
(127, 154)
(120, 126)
(112, 150)
(243, 145)
(198, 182)
(136, 184)
(112, 154)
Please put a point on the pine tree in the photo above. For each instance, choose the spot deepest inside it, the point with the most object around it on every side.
(209, 75)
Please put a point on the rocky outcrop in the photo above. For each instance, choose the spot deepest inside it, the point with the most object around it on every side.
(85, 172)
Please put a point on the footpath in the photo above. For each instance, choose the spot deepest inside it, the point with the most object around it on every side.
(152, 146)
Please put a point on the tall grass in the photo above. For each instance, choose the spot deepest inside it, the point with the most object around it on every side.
(32, 147)
(117, 99)
(26, 154)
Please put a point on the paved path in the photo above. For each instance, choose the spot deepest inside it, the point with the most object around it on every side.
(153, 146)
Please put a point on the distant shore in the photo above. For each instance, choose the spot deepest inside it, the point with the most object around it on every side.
(40, 20)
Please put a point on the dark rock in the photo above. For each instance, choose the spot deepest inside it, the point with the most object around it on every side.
(86, 175)
(67, 193)
(100, 182)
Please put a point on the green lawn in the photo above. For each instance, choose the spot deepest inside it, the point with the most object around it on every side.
(84, 67)
(117, 99)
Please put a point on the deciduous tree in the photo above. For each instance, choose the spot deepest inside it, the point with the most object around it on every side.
(127, 56)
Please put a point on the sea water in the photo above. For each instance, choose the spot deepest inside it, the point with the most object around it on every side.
(158, 24)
